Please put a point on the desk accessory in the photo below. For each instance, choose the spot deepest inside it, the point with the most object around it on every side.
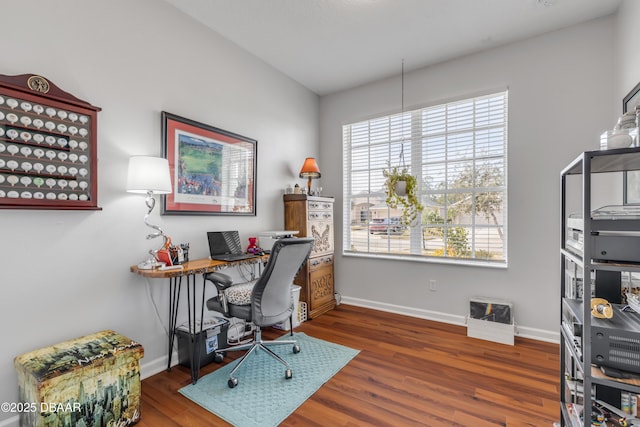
(150, 176)
(266, 239)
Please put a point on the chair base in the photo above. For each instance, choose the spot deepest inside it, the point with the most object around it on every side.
(253, 347)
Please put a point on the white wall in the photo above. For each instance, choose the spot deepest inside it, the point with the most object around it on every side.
(66, 274)
(626, 50)
(561, 89)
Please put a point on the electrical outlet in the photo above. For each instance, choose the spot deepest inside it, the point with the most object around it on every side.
(432, 285)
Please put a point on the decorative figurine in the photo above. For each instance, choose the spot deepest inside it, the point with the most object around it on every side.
(253, 246)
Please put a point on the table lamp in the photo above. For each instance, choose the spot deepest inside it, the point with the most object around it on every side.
(310, 170)
(150, 176)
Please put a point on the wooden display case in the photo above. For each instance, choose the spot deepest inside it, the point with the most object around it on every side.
(313, 217)
(48, 148)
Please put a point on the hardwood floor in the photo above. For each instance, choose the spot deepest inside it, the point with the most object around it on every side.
(409, 372)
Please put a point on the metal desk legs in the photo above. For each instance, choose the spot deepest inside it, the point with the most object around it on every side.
(175, 284)
(195, 331)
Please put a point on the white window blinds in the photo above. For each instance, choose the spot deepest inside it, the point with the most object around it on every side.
(458, 153)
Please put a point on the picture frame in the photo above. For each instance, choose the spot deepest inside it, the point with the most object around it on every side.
(631, 179)
(631, 99)
(631, 188)
(213, 171)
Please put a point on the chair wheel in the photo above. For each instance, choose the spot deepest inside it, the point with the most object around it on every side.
(296, 349)
(219, 357)
(288, 374)
(232, 382)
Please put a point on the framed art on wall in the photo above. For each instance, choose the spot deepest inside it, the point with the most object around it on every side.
(630, 101)
(213, 171)
(631, 187)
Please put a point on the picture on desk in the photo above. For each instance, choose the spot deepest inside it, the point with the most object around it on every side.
(212, 170)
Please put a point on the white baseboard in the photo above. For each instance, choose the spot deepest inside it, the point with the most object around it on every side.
(521, 331)
(152, 367)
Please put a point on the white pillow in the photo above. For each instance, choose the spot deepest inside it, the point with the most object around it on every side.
(239, 294)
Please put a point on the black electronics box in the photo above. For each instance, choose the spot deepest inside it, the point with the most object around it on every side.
(212, 338)
(615, 342)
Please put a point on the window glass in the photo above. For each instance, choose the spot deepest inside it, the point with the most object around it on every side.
(458, 153)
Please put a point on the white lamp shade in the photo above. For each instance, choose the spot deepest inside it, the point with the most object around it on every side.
(148, 174)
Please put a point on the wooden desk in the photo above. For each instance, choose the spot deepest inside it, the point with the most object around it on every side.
(190, 270)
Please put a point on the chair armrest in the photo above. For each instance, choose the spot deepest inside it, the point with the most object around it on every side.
(220, 280)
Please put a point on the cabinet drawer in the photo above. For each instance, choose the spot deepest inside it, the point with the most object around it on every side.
(319, 262)
(320, 206)
(320, 215)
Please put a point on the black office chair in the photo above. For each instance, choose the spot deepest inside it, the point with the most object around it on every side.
(270, 300)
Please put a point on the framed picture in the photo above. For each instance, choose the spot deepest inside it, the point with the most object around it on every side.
(631, 179)
(631, 187)
(213, 171)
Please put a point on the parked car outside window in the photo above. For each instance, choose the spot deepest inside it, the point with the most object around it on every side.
(386, 225)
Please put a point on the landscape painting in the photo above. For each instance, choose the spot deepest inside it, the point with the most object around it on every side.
(212, 170)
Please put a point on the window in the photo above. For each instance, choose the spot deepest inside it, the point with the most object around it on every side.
(458, 153)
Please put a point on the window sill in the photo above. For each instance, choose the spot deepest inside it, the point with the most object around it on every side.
(427, 260)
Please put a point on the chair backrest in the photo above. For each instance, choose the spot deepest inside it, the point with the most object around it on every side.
(271, 300)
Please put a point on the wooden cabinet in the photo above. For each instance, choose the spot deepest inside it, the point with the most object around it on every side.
(313, 217)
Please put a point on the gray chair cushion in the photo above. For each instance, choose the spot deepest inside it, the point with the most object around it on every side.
(239, 311)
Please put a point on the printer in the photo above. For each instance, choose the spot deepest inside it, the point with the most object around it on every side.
(266, 239)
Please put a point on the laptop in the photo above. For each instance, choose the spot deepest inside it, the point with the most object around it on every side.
(225, 246)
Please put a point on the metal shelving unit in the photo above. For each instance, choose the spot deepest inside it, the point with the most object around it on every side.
(583, 383)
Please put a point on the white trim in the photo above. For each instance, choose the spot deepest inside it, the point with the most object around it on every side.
(453, 319)
(156, 366)
(426, 259)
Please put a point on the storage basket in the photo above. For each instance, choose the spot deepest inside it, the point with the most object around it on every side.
(302, 311)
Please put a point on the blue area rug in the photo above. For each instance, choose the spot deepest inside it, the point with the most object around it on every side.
(263, 397)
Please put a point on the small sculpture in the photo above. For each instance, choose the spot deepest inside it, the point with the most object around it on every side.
(253, 246)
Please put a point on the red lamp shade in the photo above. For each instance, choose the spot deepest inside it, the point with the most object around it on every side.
(310, 170)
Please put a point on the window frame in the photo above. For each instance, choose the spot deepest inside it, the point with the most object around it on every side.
(416, 162)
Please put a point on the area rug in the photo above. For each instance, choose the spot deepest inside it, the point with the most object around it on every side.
(263, 397)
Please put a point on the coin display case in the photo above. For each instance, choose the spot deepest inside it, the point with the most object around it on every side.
(48, 144)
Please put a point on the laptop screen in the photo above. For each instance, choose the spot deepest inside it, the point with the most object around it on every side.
(224, 242)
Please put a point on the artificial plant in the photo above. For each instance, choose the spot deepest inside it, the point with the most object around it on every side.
(408, 202)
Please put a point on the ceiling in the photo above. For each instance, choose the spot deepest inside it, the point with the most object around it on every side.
(332, 45)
